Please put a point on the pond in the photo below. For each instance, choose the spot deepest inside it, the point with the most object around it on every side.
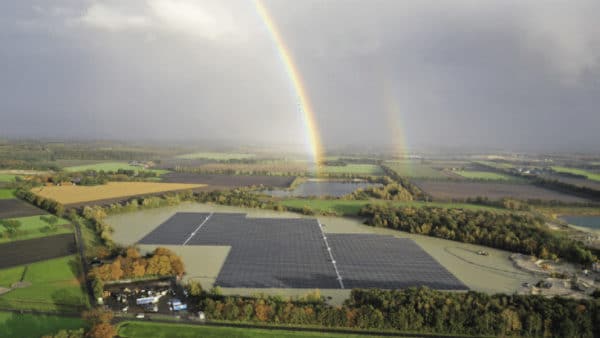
(590, 222)
(322, 188)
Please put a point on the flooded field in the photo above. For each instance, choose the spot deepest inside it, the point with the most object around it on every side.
(588, 222)
(493, 273)
(322, 188)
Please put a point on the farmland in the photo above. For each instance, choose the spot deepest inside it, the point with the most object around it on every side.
(7, 178)
(352, 169)
(37, 249)
(24, 325)
(50, 285)
(72, 194)
(484, 175)
(216, 156)
(448, 190)
(590, 175)
(112, 166)
(578, 182)
(321, 188)
(416, 169)
(34, 227)
(228, 181)
(12, 208)
(257, 168)
(6, 194)
(143, 330)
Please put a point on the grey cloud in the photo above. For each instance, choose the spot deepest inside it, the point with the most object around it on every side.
(509, 74)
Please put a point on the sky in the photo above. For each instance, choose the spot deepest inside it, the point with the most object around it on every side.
(510, 74)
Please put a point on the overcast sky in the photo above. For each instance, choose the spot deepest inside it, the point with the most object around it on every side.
(503, 73)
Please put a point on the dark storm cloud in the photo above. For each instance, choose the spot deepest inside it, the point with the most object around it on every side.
(513, 74)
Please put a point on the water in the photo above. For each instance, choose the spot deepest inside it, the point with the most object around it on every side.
(322, 188)
(590, 222)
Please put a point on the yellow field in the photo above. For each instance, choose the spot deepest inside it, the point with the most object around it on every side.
(69, 194)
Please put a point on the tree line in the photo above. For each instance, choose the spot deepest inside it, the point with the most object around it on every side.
(131, 265)
(413, 189)
(515, 232)
(420, 310)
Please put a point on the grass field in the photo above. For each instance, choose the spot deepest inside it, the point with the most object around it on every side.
(590, 175)
(415, 169)
(484, 175)
(356, 169)
(54, 286)
(216, 156)
(143, 330)
(112, 166)
(6, 194)
(352, 207)
(70, 194)
(35, 226)
(7, 178)
(499, 165)
(16, 325)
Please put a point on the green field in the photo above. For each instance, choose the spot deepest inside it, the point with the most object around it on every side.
(7, 194)
(112, 166)
(156, 330)
(216, 156)
(54, 286)
(484, 175)
(355, 169)
(590, 175)
(7, 178)
(352, 207)
(36, 227)
(415, 169)
(17, 325)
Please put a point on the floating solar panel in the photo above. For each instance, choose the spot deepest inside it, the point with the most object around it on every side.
(377, 261)
(176, 229)
(292, 253)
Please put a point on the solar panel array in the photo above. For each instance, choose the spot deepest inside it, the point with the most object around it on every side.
(386, 262)
(176, 229)
(291, 253)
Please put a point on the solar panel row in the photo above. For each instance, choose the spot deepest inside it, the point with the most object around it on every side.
(291, 253)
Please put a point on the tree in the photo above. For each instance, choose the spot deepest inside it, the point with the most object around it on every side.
(51, 220)
(102, 330)
(194, 288)
(11, 225)
(116, 272)
(97, 316)
(97, 287)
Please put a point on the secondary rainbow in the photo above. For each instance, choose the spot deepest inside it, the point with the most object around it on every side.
(394, 114)
(308, 115)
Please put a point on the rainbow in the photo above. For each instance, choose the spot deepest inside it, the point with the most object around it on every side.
(312, 132)
(394, 115)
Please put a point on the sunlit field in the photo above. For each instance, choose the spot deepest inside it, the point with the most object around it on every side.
(69, 194)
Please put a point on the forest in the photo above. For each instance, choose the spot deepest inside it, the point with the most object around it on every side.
(516, 232)
(420, 310)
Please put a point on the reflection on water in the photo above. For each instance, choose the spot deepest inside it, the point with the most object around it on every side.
(590, 222)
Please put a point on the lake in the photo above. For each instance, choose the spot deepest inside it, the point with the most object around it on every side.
(322, 188)
(590, 222)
